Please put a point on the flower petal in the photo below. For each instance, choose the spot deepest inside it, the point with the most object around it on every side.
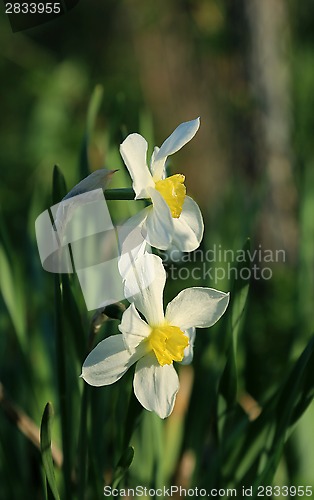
(144, 287)
(97, 179)
(181, 135)
(107, 362)
(133, 151)
(158, 227)
(198, 307)
(189, 350)
(156, 386)
(189, 227)
(133, 328)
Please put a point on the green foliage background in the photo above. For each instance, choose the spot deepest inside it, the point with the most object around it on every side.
(71, 90)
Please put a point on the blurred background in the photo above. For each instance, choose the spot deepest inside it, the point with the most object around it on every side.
(246, 68)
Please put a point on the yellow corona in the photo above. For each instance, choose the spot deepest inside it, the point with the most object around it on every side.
(173, 190)
(168, 343)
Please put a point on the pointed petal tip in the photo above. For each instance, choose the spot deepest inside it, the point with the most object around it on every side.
(196, 121)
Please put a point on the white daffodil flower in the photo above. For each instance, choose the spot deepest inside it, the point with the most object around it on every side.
(156, 342)
(173, 218)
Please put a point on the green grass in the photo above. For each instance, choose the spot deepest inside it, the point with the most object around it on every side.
(45, 339)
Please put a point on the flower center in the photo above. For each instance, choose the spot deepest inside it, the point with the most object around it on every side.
(173, 191)
(168, 343)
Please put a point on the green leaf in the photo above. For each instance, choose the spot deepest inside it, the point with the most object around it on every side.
(148, 440)
(123, 466)
(59, 189)
(74, 318)
(12, 295)
(11, 285)
(45, 447)
(92, 112)
(63, 383)
(239, 294)
(257, 452)
(83, 443)
(135, 410)
(295, 396)
(93, 108)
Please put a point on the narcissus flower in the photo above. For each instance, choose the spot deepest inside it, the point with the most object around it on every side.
(173, 218)
(156, 341)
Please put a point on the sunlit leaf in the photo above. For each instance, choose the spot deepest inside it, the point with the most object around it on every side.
(45, 446)
(59, 189)
(123, 466)
(11, 290)
(93, 108)
(239, 294)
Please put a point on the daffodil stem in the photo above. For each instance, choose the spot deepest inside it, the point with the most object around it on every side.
(132, 418)
(82, 451)
(62, 385)
(119, 194)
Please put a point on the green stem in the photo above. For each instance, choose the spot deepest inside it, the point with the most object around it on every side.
(82, 451)
(119, 194)
(62, 386)
(134, 412)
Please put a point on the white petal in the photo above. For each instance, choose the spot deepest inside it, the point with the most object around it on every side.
(133, 151)
(156, 386)
(107, 362)
(158, 227)
(133, 328)
(144, 287)
(198, 307)
(181, 135)
(132, 243)
(189, 227)
(189, 350)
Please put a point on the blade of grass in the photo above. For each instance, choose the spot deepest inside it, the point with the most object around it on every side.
(123, 466)
(63, 389)
(93, 108)
(230, 418)
(11, 290)
(73, 312)
(134, 413)
(239, 294)
(58, 192)
(261, 444)
(295, 396)
(59, 189)
(45, 446)
(83, 448)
